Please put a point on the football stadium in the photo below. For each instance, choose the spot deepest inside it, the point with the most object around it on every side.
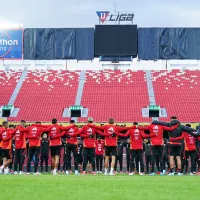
(107, 110)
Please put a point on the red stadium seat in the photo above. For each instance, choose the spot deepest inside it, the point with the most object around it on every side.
(108, 93)
(115, 94)
(8, 82)
(45, 94)
(179, 93)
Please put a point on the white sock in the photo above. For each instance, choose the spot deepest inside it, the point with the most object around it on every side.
(111, 170)
(6, 170)
(54, 171)
(76, 171)
(106, 170)
(2, 167)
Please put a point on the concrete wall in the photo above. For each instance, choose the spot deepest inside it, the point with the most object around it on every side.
(96, 65)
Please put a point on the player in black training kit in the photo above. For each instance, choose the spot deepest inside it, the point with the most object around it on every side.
(148, 154)
(79, 156)
(66, 159)
(166, 155)
(119, 156)
(44, 152)
(128, 155)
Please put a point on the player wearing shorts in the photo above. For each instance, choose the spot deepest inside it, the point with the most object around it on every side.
(55, 134)
(34, 133)
(110, 133)
(198, 153)
(157, 143)
(20, 146)
(190, 148)
(1, 159)
(6, 135)
(175, 145)
(136, 146)
(71, 147)
(89, 136)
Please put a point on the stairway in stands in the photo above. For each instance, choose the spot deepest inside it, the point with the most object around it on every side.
(8, 82)
(44, 95)
(108, 93)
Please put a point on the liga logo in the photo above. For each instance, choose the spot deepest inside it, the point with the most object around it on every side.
(6, 44)
(103, 15)
(120, 17)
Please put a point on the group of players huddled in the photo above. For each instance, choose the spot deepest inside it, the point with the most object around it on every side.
(165, 145)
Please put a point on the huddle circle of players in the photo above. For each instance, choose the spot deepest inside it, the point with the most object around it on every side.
(87, 146)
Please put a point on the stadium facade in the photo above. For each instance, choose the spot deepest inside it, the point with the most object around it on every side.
(88, 64)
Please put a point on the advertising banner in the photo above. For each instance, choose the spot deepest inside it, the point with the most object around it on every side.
(11, 44)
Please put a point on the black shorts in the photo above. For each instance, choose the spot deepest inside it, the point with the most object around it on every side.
(55, 150)
(111, 151)
(174, 150)
(79, 159)
(6, 153)
(0, 152)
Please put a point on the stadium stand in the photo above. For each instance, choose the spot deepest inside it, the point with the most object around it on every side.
(106, 93)
(178, 92)
(117, 94)
(44, 94)
(8, 81)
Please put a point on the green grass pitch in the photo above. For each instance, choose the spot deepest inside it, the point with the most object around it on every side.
(99, 187)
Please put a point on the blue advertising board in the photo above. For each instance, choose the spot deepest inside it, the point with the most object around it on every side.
(11, 44)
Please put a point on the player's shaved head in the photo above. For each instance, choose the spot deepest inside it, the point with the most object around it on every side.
(5, 124)
(173, 117)
(71, 121)
(11, 126)
(54, 121)
(111, 121)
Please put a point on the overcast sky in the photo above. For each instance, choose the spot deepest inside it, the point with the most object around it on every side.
(82, 13)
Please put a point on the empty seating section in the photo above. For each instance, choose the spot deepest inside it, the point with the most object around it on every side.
(179, 93)
(108, 93)
(44, 95)
(117, 94)
(8, 82)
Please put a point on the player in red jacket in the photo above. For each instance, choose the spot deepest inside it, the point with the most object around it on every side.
(110, 133)
(71, 147)
(55, 134)
(20, 147)
(136, 146)
(7, 135)
(1, 160)
(99, 152)
(198, 153)
(33, 135)
(190, 148)
(157, 143)
(89, 137)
